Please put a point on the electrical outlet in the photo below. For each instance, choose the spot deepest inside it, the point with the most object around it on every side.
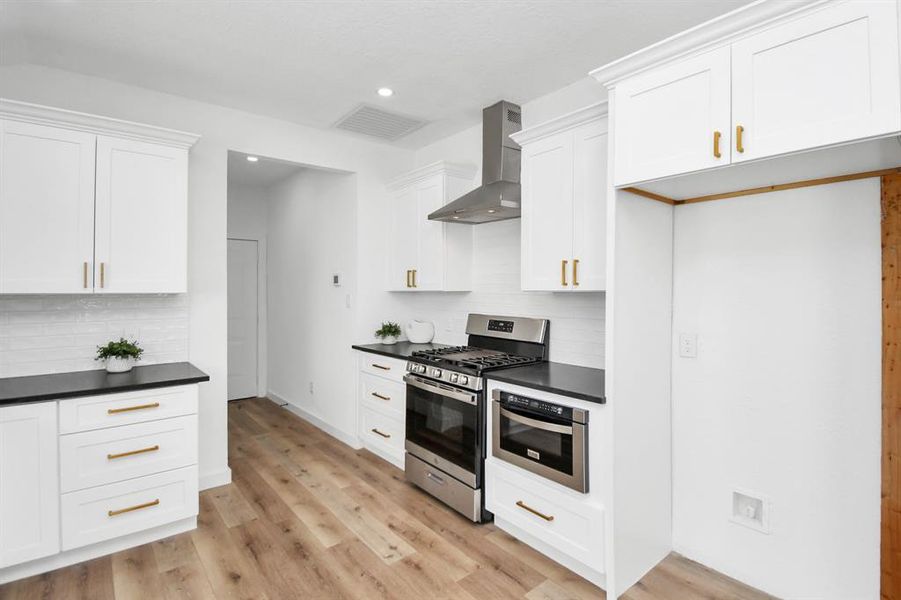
(688, 345)
(751, 510)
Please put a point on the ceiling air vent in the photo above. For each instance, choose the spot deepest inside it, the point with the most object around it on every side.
(379, 123)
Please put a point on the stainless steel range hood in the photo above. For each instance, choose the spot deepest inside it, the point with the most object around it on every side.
(498, 197)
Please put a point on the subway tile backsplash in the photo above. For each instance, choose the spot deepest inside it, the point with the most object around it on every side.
(54, 334)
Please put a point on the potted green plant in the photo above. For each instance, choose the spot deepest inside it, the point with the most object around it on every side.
(388, 332)
(119, 356)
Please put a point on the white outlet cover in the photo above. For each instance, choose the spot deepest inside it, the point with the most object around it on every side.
(751, 509)
(688, 345)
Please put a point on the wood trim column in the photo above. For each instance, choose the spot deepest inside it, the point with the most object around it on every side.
(891, 388)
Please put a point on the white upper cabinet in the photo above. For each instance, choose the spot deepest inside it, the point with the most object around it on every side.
(564, 167)
(674, 119)
(90, 204)
(428, 255)
(46, 209)
(767, 79)
(828, 78)
(142, 221)
(29, 482)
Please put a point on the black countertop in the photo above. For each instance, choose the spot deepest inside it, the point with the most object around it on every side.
(35, 388)
(582, 383)
(401, 350)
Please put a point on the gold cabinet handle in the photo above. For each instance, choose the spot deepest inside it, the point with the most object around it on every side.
(414, 277)
(739, 144)
(132, 452)
(381, 397)
(716, 144)
(377, 432)
(84, 275)
(563, 264)
(102, 273)
(575, 272)
(113, 411)
(382, 367)
(409, 272)
(526, 507)
(122, 511)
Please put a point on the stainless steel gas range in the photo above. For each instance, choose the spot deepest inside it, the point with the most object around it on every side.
(447, 409)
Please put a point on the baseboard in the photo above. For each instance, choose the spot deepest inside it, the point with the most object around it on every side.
(215, 478)
(351, 440)
(77, 555)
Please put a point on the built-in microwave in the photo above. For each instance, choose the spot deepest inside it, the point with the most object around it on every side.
(545, 438)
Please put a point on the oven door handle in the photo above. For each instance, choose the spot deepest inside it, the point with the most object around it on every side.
(536, 423)
(441, 390)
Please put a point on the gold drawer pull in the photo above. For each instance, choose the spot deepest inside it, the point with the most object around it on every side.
(575, 272)
(739, 144)
(414, 278)
(102, 273)
(84, 275)
(113, 411)
(409, 274)
(563, 264)
(380, 397)
(132, 452)
(122, 511)
(716, 144)
(377, 432)
(382, 367)
(525, 506)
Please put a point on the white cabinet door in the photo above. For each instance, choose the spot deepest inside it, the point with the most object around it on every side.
(141, 223)
(547, 213)
(404, 239)
(46, 209)
(29, 483)
(429, 275)
(826, 78)
(666, 120)
(590, 207)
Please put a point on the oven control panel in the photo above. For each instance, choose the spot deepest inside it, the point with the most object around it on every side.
(541, 407)
(470, 382)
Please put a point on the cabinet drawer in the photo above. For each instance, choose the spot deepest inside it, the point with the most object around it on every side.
(101, 513)
(112, 410)
(382, 430)
(383, 393)
(573, 527)
(383, 366)
(104, 456)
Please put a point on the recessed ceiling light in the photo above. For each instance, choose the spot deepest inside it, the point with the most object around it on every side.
(492, 211)
(456, 217)
(385, 92)
(252, 158)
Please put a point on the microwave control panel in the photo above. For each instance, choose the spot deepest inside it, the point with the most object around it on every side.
(533, 405)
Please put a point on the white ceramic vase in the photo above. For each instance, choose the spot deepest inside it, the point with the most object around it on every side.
(114, 364)
(389, 339)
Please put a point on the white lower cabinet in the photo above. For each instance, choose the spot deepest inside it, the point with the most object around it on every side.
(381, 406)
(29, 486)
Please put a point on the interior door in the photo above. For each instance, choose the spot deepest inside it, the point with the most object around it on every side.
(141, 217)
(826, 78)
(666, 120)
(403, 240)
(46, 209)
(547, 213)
(29, 482)
(243, 322)
(430, 265)
(590, 207)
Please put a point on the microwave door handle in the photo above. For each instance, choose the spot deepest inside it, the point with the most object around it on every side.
(440, 390)
(567, 429)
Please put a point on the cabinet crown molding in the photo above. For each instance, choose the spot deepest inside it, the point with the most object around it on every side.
(38, 114)
(592, 112)
(714, 33)
(441, 167)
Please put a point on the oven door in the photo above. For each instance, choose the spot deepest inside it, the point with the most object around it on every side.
(556, 449)
(443, 425)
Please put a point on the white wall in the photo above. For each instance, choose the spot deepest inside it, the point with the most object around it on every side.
(783, 291)
(221, 129)
(312, 235)
(248, 214)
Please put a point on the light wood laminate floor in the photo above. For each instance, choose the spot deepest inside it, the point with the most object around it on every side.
(308, 517)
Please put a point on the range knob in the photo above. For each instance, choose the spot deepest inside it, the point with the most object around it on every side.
(464, 380)
(436, 372)
(454, 377)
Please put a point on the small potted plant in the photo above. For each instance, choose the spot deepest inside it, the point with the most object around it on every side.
(119, 356)
(388, 332)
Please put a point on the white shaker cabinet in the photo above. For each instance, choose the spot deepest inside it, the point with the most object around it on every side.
(564, 167)
(827, 78)
(46, 209)
(674, 119)
(426, 255)
(29, 482)
(90, 204)
(142, 220)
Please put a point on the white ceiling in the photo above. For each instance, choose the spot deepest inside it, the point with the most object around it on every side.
(313, 61)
